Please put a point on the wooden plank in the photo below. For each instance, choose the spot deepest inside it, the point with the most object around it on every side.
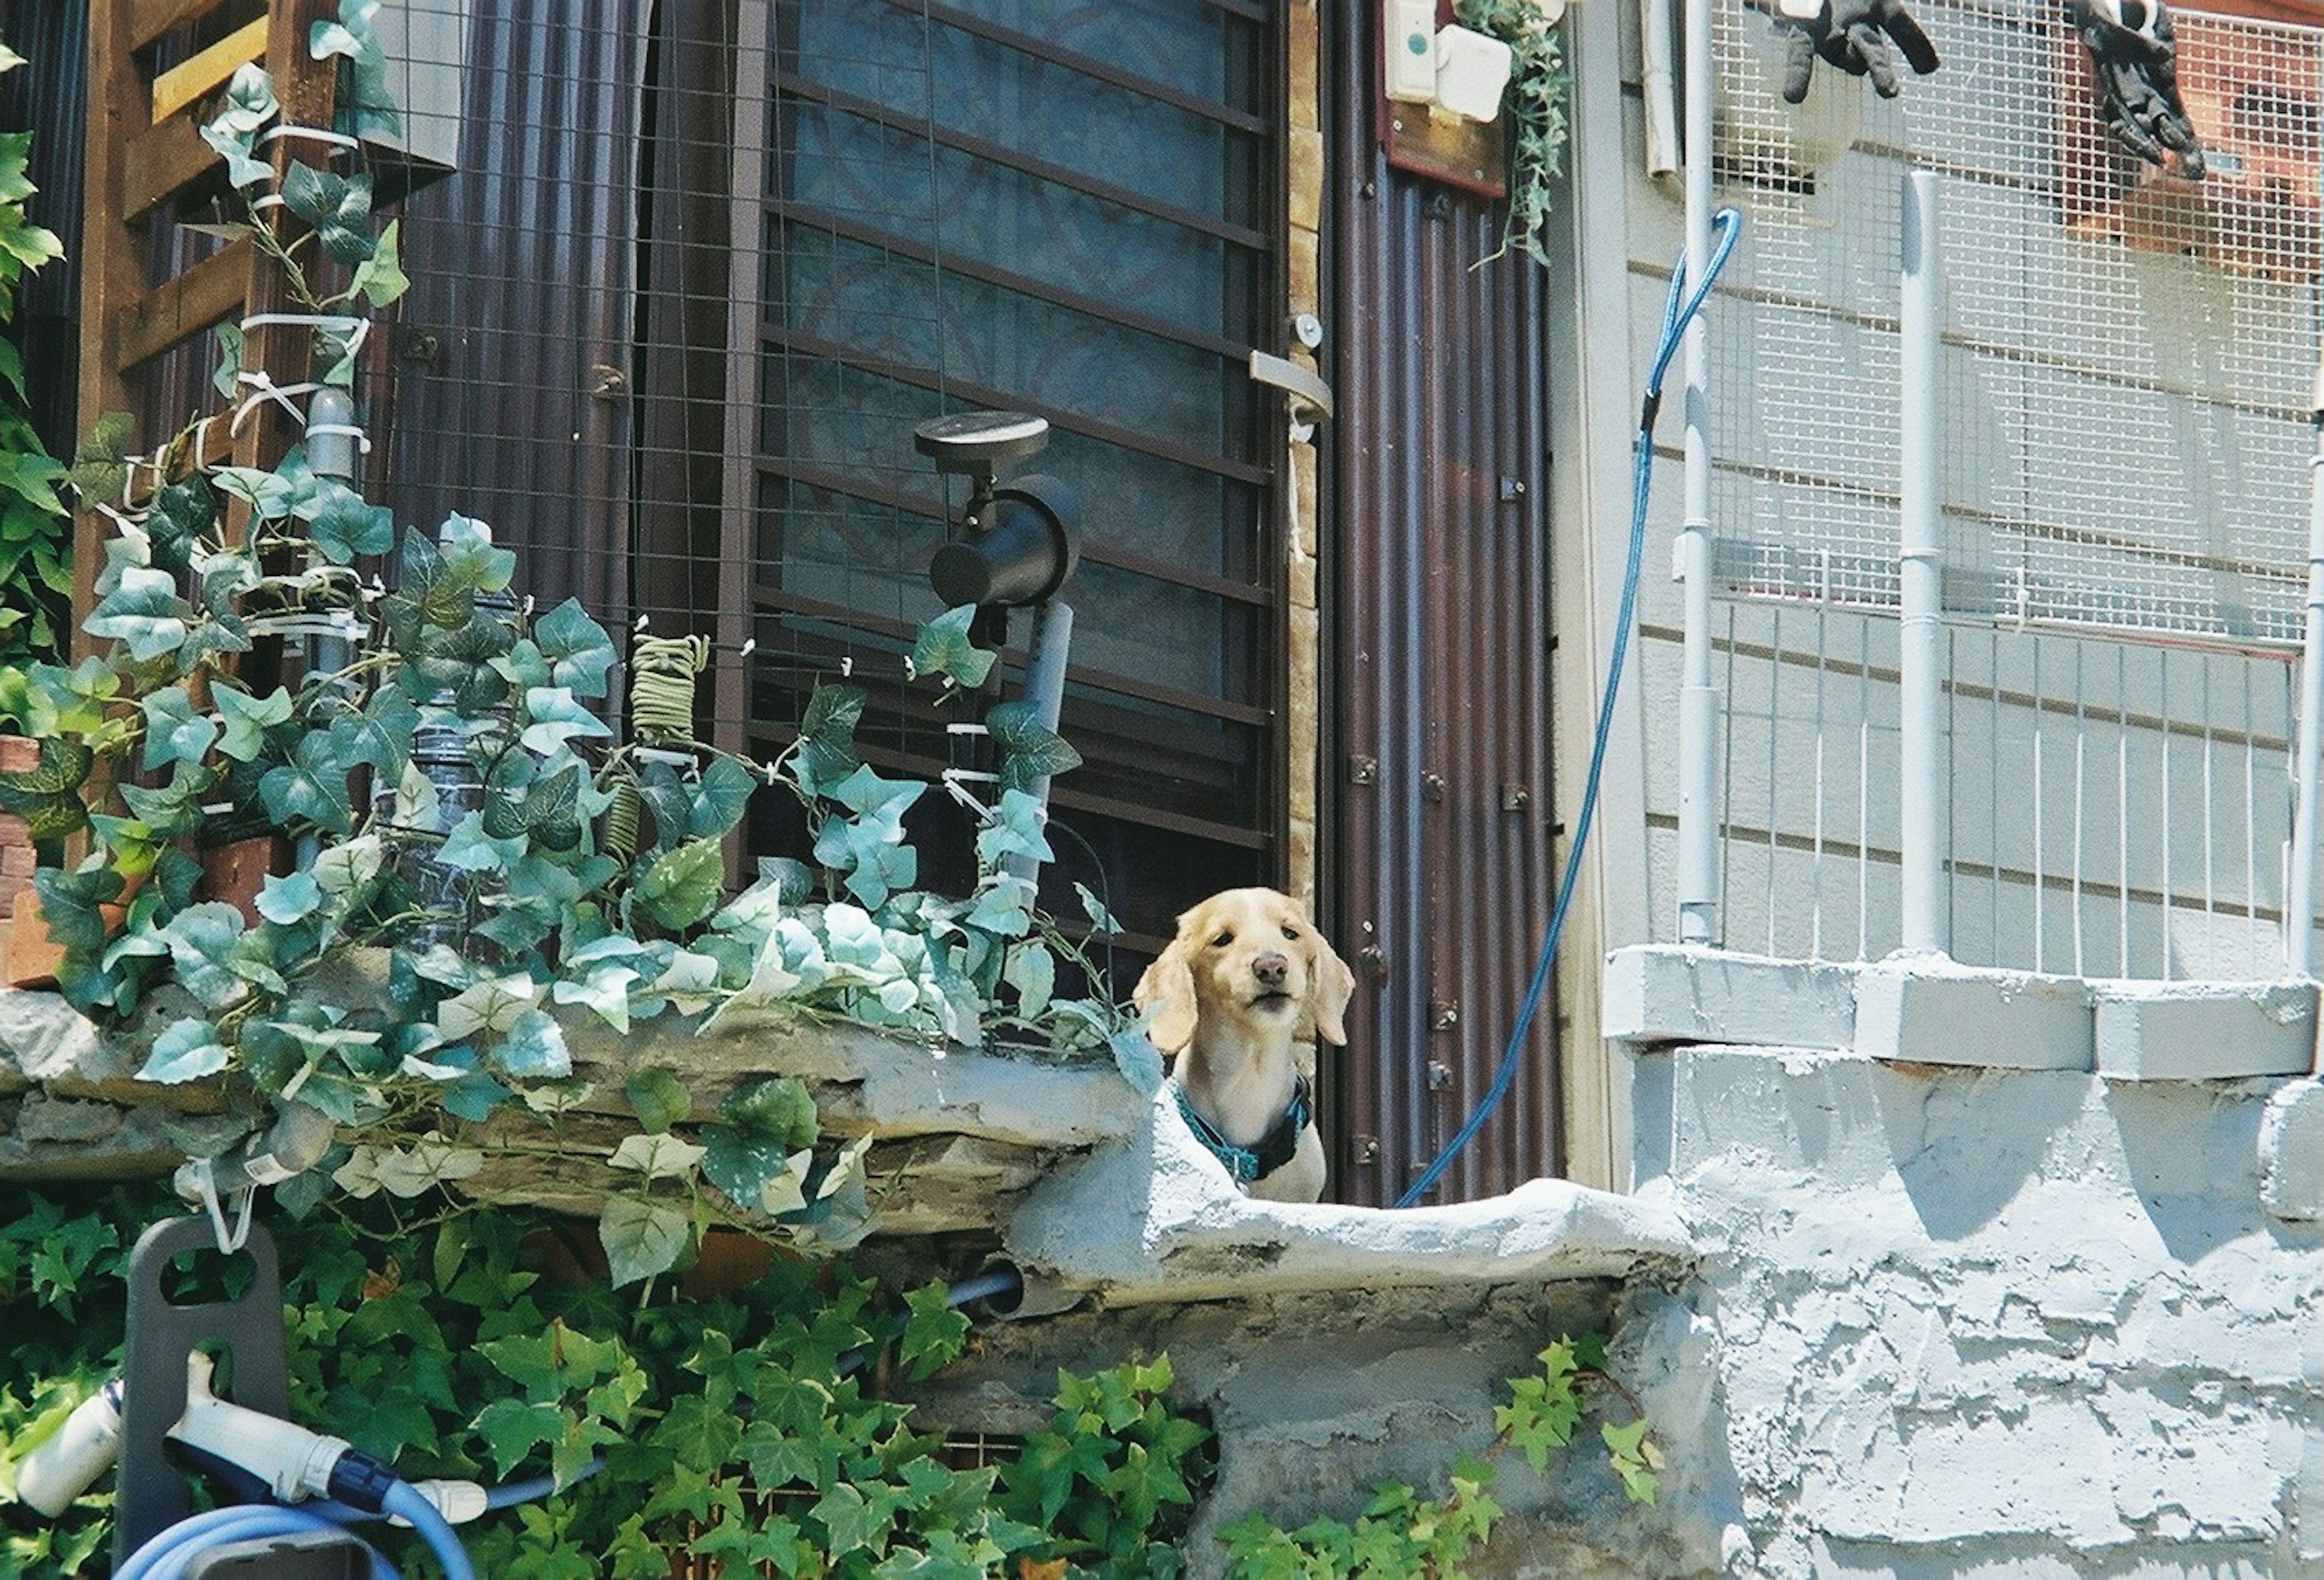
(148, 20)
(160, 162)
(171, 313)
(112, 268)
(180, 86)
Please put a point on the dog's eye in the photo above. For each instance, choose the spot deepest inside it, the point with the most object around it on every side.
(1221, 940)
(1292, 933)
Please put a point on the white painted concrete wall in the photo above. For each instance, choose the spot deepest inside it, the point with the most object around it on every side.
(1991, 1323)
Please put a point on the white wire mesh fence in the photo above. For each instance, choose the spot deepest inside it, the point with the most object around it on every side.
(2126, 367)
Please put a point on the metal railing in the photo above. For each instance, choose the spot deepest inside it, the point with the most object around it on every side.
(1999, 512)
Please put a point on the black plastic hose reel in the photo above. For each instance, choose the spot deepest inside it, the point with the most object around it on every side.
(246, 1331)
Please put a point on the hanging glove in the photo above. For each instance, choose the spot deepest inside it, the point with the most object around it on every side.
(2136, 60)
(1853, 35)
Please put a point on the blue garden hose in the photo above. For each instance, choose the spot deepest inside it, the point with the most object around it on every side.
(1679, 310)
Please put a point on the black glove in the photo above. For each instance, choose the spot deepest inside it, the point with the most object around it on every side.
(1849, 33)
(2136, 57)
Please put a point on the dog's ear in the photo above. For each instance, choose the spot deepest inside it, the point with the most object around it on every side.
(1330, 984)
(1167, 988)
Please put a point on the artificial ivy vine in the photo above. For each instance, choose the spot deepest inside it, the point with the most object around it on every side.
(1535, 106)
(479, 858)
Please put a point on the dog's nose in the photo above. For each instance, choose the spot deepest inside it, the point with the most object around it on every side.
(1270, 969)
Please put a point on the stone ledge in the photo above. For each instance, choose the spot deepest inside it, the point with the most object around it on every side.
(1681, 993)
(2205, 1031)
(1930, 1011)
(1155, 1218)
(2291, 1153)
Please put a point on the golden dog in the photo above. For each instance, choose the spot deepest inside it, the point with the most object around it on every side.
(1228, 997)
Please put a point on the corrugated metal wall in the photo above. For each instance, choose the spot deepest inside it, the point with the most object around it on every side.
(48, 96)
(1441, 761)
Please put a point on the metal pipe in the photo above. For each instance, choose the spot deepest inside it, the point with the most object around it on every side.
(1045, 689)
(2300, 885)
(1661, 113)
(1927, 918)
(1698, 738)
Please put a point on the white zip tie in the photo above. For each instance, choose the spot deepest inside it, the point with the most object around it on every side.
(263, 389)
(267, 201)
(312, 134)
(357, 324)
(229, 1241)
(951, 780)
(345, 430)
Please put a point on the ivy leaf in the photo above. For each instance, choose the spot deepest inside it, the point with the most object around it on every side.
(935, 1333)
(1094, 909)
(1014, 830)
(1031, 750)
(721, 797)
(380, 279)
(1140, 1063)
(47, 795)
(492, 1007)
(469, 847)
(579, 652)
(681, 886)
(269, 495)
(174, 732)
(826, 750)
(201, 941)
(642, 1238)
(605, 990)
(379, 736)
(512, 1429)
(143, 612)
(1032, 971)
(534, 1048)
(187, 1050)
(312, 785)
(337, 207)
(659, 1097)
(248, 718)
(344, 524)
(942, 647)
(1004, 908)
(656, 1157)
(556, 717)
(470, 560)
(283, 899)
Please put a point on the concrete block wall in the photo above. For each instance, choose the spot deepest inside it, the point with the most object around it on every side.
(1956, 1321)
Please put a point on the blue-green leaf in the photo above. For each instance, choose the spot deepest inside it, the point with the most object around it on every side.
(188, 1050)
(248, 717)
(579, 652)
(174, 732)
(642, 1238)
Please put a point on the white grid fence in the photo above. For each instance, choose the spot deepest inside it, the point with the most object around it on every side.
(2124, 369)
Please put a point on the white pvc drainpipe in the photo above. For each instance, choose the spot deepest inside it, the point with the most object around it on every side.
(1698, 721)
(1924, 765)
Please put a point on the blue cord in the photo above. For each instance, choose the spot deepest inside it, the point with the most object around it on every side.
(1678, 310)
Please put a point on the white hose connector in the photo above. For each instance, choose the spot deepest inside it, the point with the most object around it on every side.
(67, 1464)
(458, 1501)
(294, 1463)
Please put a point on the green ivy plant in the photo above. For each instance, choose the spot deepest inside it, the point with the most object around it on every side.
(35, 529)
(1401, 1534)
(1535, 106)
(744, 1428)
(480, 860)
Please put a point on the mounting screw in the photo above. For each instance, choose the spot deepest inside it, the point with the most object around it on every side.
(419, 345)
(1444, 1015)
(1307, 329)
(1432, 786)
(1374, 961)
(1512, 487)
(1364, 770)
(1515, 798)
(1440, 1076)
(1365, 1148)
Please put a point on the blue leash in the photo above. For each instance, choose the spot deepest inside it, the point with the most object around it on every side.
(1678, 310)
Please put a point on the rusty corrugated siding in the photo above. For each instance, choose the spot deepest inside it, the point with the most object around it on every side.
(512, 361)
(1443, 594)
(49, 97)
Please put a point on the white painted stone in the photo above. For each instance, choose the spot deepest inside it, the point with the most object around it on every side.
(2204, 1030)
(1678, 993)
(2291, 1153)
(1929, 1010)
(1155, 1218)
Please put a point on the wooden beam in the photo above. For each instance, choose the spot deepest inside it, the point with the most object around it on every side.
(181, 85)
(112, 268)
(148, 20)
(161, 161)
(208, 293)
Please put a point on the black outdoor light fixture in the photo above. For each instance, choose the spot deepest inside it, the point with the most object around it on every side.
(1015, 545)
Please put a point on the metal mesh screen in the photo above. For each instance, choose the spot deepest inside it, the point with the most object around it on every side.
(2126, 357)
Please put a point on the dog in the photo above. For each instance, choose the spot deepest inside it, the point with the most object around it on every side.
(1227, 998)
